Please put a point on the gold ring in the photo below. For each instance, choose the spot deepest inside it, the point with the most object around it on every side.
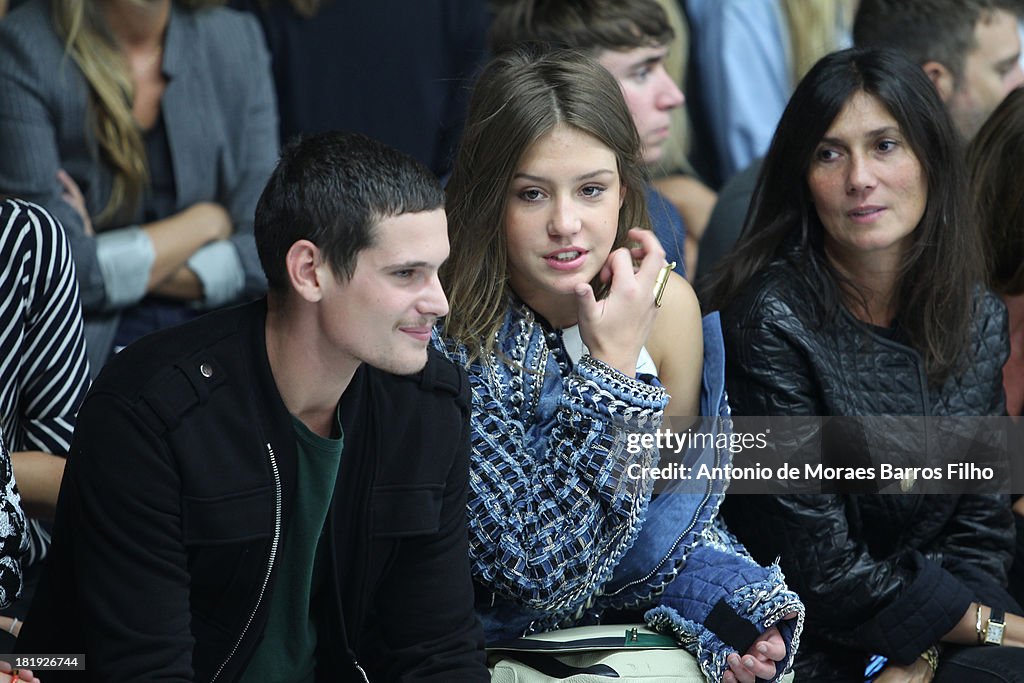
(661, 281)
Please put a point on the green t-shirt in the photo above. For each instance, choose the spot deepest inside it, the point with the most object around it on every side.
(287, 652)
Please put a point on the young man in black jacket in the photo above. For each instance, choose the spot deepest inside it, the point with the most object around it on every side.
(277, 491)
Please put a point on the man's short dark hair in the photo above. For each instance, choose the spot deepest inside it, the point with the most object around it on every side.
(926, 30)
(585, 25)
(333, 189)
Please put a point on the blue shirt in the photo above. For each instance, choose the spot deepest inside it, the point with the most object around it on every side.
(669, 227)
(740, 54)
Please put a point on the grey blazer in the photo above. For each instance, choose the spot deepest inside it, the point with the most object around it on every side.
(221, 121)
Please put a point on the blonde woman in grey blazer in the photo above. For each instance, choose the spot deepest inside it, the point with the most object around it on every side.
(201, 74)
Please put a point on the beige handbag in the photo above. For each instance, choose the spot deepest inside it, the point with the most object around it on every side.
(593, 654)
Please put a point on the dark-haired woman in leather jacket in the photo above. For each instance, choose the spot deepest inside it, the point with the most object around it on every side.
(855, 292)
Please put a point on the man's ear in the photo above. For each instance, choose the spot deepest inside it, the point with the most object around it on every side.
(301, 263)
(941, 77)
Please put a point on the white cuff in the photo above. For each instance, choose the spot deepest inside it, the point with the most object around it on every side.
(219, 269)
(125, 258)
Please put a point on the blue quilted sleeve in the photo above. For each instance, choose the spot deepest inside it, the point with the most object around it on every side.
(722, 600)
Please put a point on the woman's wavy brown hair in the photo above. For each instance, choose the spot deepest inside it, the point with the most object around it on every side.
(519, 97)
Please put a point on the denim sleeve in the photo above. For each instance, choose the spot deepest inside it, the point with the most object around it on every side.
(723, 600)
(550, 519)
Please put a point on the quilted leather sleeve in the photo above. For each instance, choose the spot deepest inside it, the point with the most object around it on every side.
(978, 388)
(981, 534)
(991, 348)
(897, 607)
(767, 370)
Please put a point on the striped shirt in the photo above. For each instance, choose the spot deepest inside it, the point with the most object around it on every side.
(44, 373)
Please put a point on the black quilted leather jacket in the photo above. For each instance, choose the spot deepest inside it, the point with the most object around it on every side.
(886, 574)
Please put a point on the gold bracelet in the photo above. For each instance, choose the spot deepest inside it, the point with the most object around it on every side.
(931, 656)
(977, 626)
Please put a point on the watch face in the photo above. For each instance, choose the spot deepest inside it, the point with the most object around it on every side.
(994, 633)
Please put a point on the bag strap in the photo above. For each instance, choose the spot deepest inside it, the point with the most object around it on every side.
(630, 639)
(553, 668)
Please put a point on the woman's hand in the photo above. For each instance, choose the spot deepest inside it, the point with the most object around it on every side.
(73, 196)
(616, 327)
(918, 672)
(759, 661)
